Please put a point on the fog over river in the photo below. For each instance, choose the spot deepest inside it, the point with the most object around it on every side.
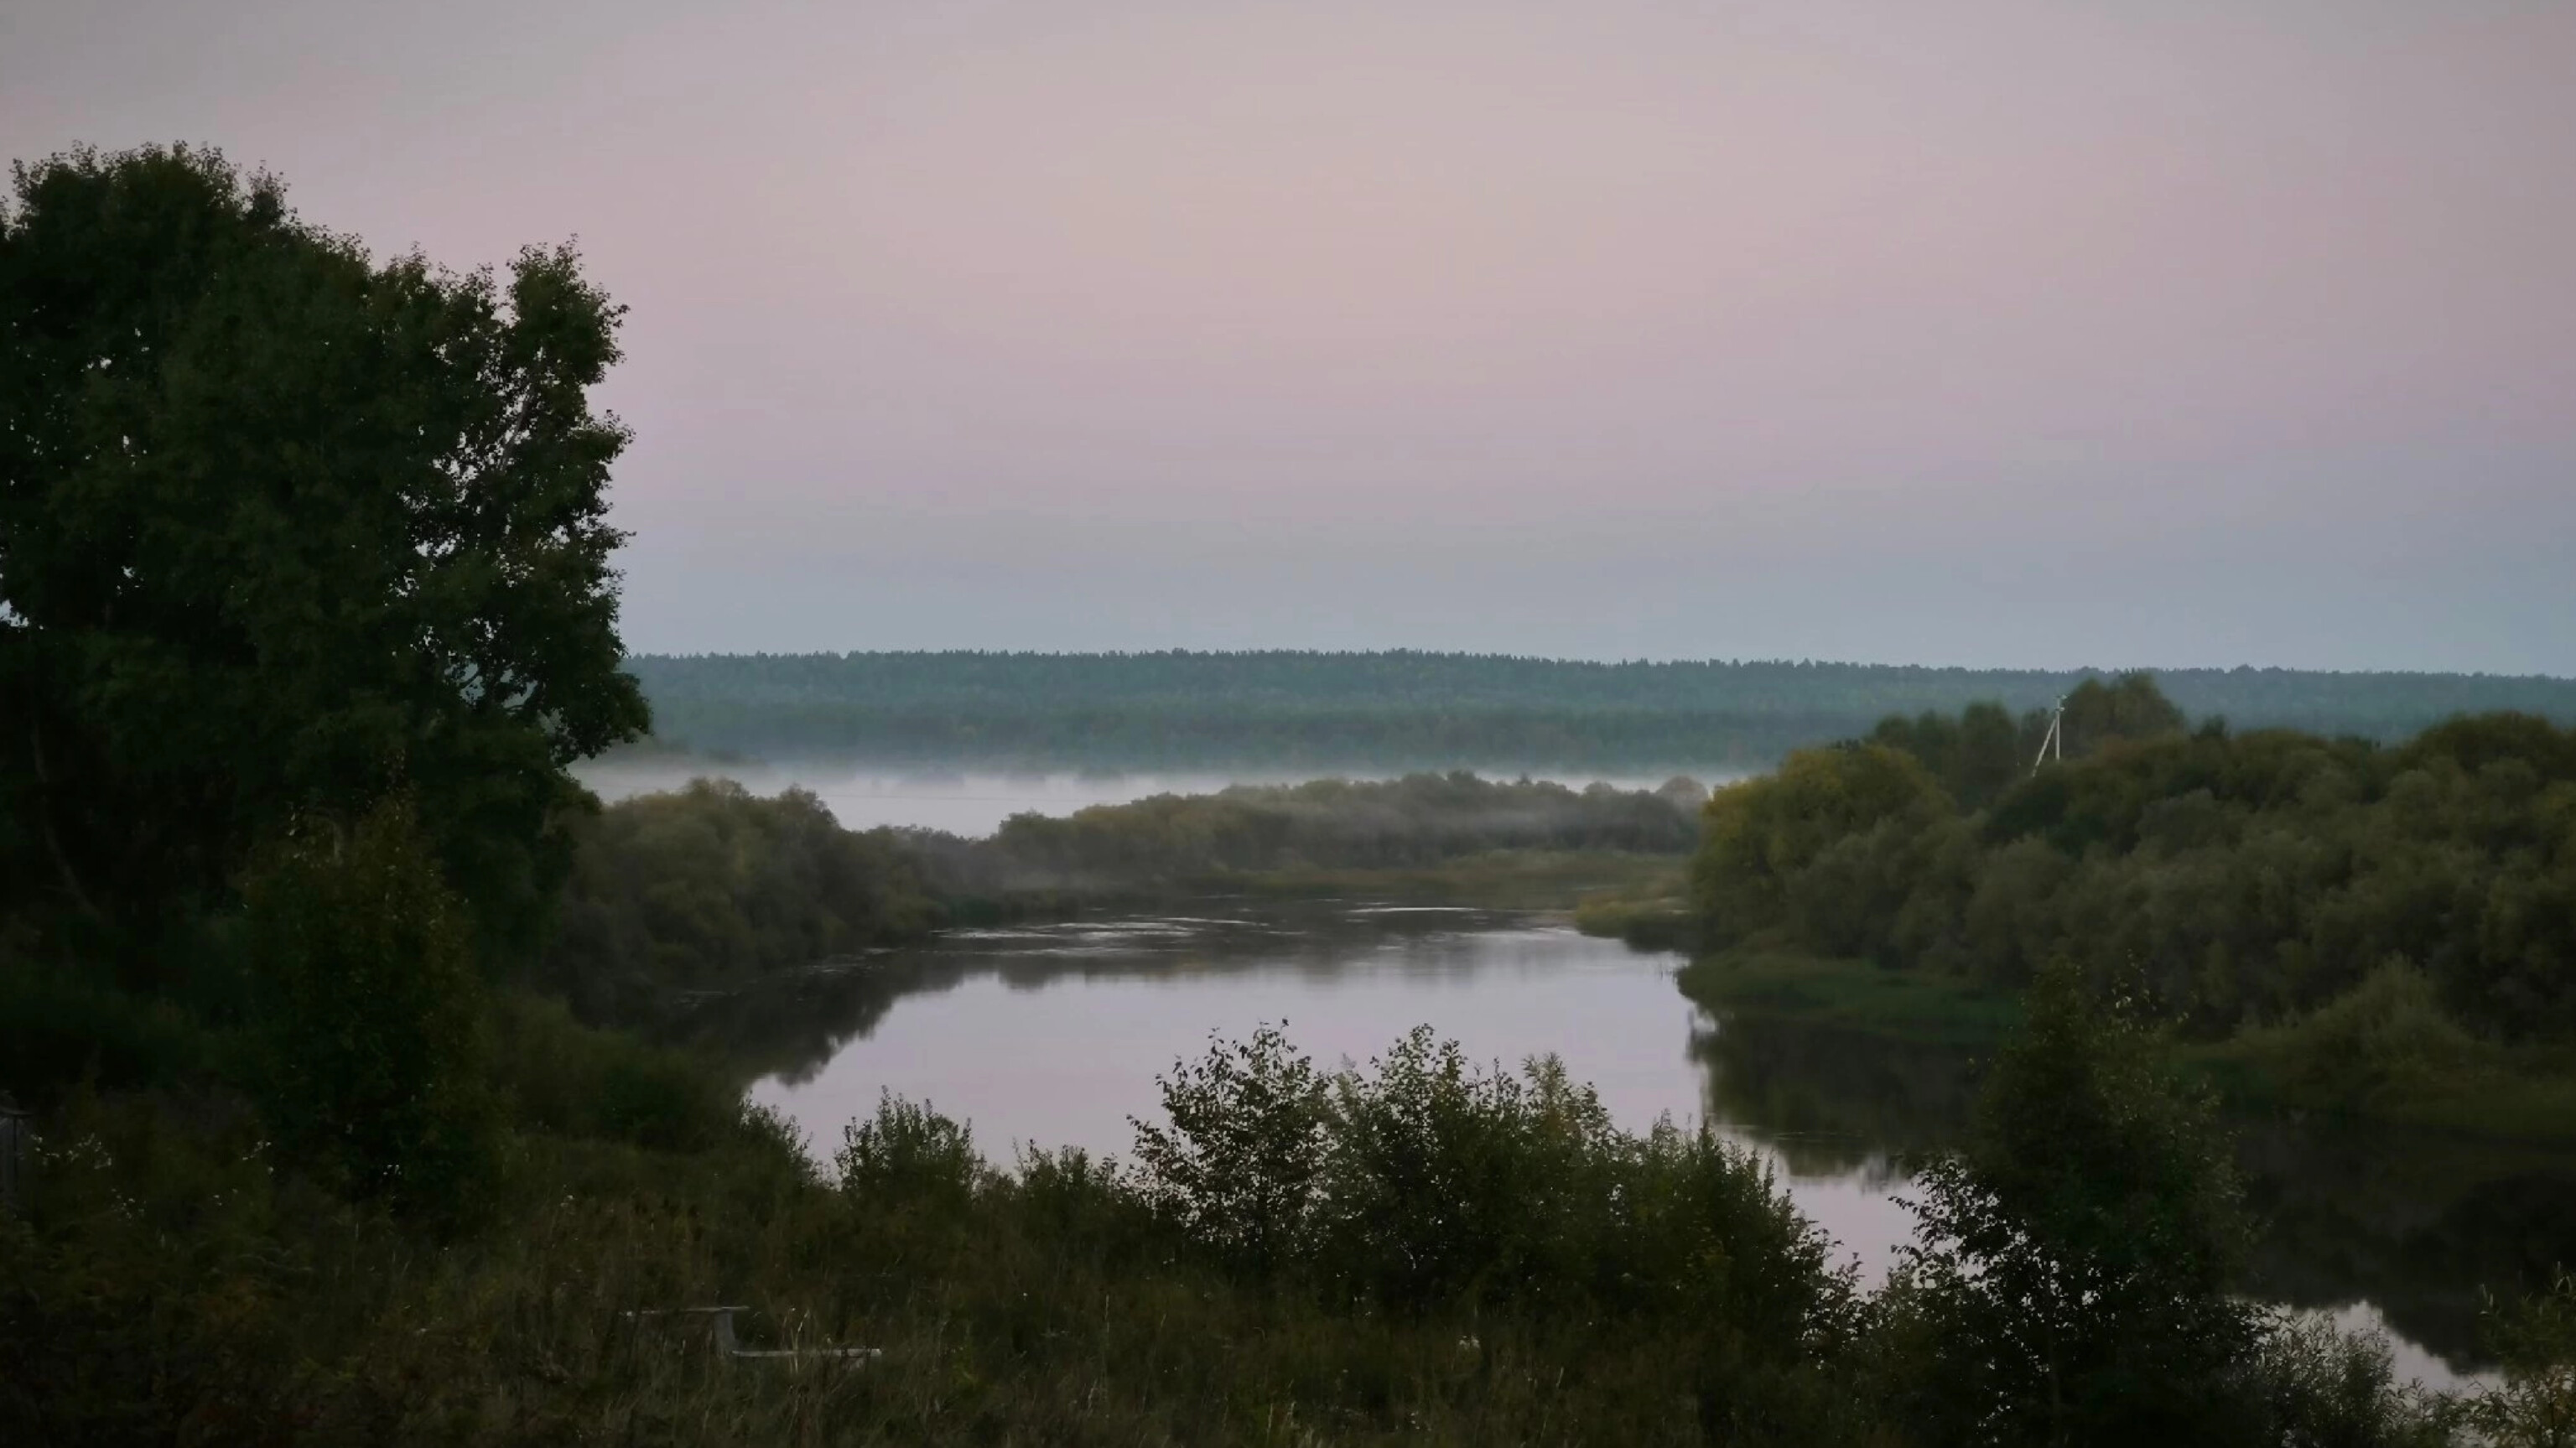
(976, 803)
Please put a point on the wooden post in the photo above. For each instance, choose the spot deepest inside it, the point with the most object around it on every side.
(15, 1134)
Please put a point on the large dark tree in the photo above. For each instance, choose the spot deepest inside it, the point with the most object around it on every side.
(285, 531)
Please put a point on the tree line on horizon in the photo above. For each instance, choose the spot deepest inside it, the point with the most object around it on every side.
(1322, 712)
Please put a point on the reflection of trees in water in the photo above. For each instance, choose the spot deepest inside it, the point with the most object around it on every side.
(1832, 1100)
(2414, 1223)
(791, 1025)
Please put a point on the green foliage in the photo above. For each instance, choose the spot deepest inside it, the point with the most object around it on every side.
(2130, 707)
(1239, 1168)
(711, 886)
(2237, 881)
(175, 1280)
(2387, 1036)
(1654, 914)
(911, 1157)
(1422, 819)
(2318, 1387)
(1404, 709)
(1422, 1185)
(1759, 838)
(2075, 1257)
(369, 1012)
(557, 1075)
(2536, 1340)
(62, 1027)
(1975, 756)
(284, 530)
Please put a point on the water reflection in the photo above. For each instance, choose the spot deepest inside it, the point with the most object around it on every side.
(1833, 1102)
(2411, 1221)
(1053, 1033)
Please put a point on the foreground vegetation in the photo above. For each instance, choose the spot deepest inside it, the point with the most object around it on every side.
(1420, 1250)
(1322, 712)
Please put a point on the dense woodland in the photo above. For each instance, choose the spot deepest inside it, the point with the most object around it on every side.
(2401, 903)
(306, 605)
(1323, 712)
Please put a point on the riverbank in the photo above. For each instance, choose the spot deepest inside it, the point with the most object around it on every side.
(2369, 1063)
(1851, 995)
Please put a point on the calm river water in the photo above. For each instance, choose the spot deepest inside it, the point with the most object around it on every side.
(1054, 1034)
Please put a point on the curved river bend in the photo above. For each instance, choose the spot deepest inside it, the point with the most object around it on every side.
(1054, 1034)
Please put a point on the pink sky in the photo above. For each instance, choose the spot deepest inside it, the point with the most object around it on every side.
(1990, 332)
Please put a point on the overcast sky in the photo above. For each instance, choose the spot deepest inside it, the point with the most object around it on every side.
(1987, 332)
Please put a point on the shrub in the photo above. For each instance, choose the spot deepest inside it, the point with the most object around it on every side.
(1445, 1182)
(2074, 1260)
(908, 1157)
(2318, 1385)
(2536, 1341)
(1424, 1184)
(59, 1027)
(1238, 1169)
(369, 1012)
(710, 886)
(561, 1076)
(2389, 1033)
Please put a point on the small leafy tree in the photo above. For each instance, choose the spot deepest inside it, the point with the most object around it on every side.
(908, 1157)
(2074, 1260)
(370, 1012)
(1240, 1166)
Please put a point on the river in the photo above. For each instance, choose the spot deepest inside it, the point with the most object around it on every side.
(1054, 1034)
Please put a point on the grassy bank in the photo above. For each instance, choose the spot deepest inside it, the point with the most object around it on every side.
(1850, 994)
(1551, 880)
(1652, 912)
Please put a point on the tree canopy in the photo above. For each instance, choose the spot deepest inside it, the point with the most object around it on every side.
(286, 530)
(2236, 880)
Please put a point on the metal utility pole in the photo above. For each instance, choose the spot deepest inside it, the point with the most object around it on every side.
(2054, 741)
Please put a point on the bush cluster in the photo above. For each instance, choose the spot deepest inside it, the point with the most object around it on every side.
(709, 886)
(1425, 1181)
(1420, 819)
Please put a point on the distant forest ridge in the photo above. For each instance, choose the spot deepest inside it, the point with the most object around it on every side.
(1291, 710)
